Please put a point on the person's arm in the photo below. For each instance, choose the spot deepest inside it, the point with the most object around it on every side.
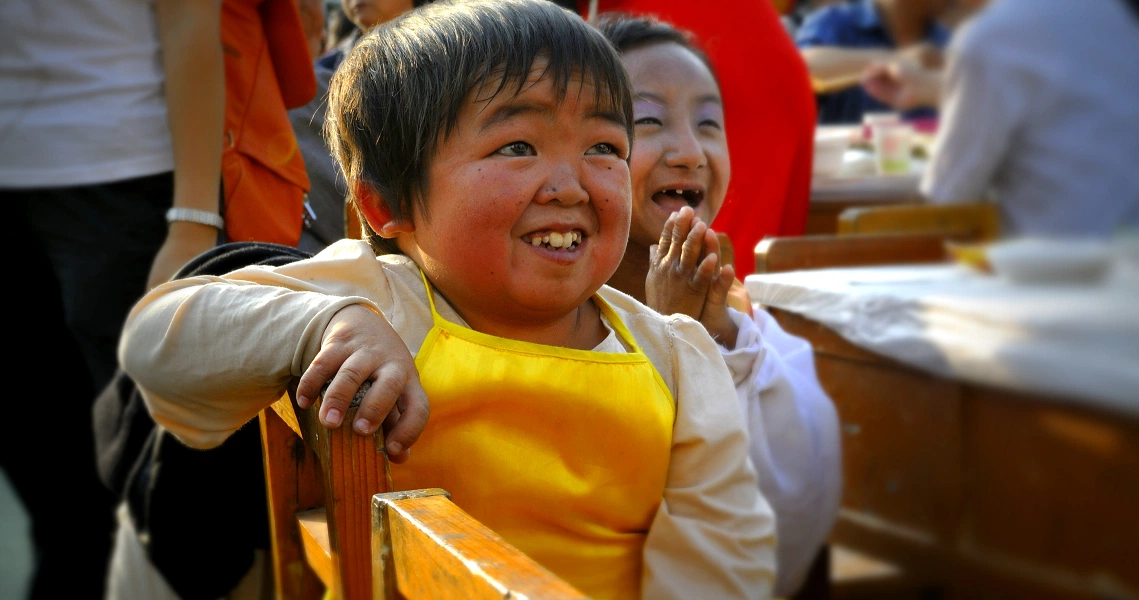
(794, 439)
(982, 105)
(209, 353)
(714, 534)
(903, 86)
(833, 63)
(190, 35)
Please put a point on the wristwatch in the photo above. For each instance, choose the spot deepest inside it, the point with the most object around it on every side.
(195, 215)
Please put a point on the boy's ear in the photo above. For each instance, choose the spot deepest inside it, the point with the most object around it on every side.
(377, 213)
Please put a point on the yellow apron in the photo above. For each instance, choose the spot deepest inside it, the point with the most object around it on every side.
(562, 452)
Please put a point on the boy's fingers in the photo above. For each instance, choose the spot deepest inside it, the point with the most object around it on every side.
(313, 379)
(682, 224)
(389, 382)
(339, 395)
(665, 241)
(414, 412)
(707, 271)
(718, 291)
(693, 246)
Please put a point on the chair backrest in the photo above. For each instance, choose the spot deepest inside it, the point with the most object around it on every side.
(727, 252)
(975, 222)
(336, 524)
(777, 254)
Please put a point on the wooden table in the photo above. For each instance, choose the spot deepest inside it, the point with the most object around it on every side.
(988, 489)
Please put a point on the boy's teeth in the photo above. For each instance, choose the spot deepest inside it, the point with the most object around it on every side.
(557, 240)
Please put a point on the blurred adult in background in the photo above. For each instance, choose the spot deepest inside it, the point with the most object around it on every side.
(231, 69)
(798, 10)
(89, 148)
(768, 106)
(324, 224)
(840, 40)
(1038, 114)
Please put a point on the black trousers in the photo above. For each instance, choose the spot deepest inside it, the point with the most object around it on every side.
(81, 257)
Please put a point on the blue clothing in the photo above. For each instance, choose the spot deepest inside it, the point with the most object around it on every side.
(854, 24)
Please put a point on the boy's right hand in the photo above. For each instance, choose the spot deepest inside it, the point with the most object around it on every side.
(360, 345)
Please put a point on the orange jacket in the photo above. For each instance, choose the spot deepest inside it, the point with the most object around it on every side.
(267, 71)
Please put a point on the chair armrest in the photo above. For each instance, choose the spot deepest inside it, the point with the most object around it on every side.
(425, 546)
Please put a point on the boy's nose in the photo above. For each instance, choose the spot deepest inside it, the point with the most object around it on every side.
(564, 186)
(684, 150)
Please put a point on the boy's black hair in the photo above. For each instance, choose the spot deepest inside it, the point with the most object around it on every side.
(628, 32)
(399, 92)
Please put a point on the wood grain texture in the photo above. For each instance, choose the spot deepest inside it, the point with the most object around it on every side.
(291, 476)
(334, 469)
(778, 254)
(975, 222)
(437, 551)
(984, 492)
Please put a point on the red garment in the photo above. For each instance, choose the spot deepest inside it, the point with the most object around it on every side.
(769, 111)
(267, 71)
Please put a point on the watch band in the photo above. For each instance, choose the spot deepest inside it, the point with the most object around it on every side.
(195, 215)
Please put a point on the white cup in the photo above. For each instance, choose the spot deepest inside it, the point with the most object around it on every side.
(892, 147)
(870, 119)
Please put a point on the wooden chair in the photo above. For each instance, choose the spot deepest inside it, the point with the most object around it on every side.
(977, 222)
(727, 252)
(776, 254)
(336, 524)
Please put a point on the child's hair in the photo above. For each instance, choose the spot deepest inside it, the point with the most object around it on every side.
(399, 92)
(628, 32)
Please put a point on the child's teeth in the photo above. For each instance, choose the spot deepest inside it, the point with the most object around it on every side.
(557, 240)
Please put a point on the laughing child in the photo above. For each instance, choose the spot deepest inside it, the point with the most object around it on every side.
(486, 144)
(680, 172)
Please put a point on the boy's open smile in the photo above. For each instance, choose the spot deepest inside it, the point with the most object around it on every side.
(676, 196)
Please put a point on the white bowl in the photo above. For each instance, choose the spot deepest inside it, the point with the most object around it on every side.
(1044, 260)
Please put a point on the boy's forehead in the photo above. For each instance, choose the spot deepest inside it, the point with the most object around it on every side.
(539, 87)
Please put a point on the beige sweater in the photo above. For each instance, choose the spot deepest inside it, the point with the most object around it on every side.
(209, 353)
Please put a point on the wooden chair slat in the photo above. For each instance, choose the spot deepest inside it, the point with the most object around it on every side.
(436, 550)
(777, 254)
(979, 221)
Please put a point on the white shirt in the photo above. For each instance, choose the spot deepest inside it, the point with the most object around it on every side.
(1041, 113)
(82, 93)
(794, 439)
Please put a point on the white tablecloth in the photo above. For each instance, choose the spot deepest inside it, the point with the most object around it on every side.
(1074, 342)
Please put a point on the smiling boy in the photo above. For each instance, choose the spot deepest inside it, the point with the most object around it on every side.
(486, 145)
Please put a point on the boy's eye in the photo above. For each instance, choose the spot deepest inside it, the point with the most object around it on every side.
(711, 123)
(517, 149)
(647, 121)
(604, 148)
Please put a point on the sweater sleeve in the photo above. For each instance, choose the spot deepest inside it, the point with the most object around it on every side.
(714, 533)
(794, 439)
(208, 353)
